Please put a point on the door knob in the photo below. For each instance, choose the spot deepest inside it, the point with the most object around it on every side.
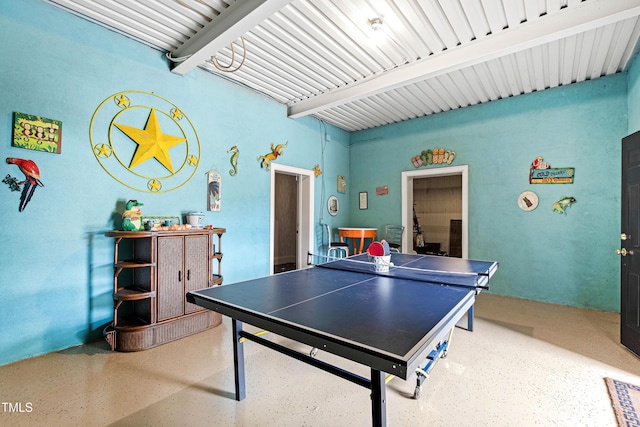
(624, 252)
(624, 236)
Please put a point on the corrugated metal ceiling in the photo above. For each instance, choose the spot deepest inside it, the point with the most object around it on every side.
(323, 58)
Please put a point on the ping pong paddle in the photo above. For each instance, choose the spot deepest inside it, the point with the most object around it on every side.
(385, 246)
(376, 249)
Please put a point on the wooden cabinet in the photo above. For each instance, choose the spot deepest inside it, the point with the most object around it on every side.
(153, 271)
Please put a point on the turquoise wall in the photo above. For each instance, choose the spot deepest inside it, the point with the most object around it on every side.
(55, 272)
(634, 96)
(565, 259)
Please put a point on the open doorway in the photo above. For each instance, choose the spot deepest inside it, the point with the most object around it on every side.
(291, 217)
(285, 236)
(454, 230)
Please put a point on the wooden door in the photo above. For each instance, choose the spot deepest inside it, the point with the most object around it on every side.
(196, 267)
(170, 289)
(630, 245)
(285, 235)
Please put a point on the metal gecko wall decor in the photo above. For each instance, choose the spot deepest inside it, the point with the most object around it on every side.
(276, 151)
(144, 141)
(561, 205)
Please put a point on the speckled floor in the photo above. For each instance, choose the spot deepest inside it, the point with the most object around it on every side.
(526, 364)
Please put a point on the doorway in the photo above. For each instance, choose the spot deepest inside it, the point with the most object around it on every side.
(285, 239)
(461, 227)
(291, 217)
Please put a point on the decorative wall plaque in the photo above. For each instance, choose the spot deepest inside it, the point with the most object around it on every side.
(144, 141)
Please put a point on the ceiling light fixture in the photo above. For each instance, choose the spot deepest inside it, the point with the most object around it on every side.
(375, 23)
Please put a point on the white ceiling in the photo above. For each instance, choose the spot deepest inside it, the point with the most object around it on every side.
(322, 58)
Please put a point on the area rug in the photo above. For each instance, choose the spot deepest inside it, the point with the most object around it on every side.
(625, 398)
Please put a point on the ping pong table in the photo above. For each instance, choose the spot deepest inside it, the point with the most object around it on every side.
(389, 321)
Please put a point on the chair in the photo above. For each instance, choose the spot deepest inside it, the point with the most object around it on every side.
(393, 236)
(335, 247)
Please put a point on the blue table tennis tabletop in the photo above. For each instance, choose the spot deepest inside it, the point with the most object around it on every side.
(384, 320)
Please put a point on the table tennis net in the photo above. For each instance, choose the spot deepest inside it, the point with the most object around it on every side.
(386, 268)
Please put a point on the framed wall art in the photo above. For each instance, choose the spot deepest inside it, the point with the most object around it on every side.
(383, 190)
(214, 190)
(342, 184)
(333, 206)
(364, 200)
(37, 133)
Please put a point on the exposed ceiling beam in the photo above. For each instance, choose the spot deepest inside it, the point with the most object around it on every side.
(235, 21)
(570, 21)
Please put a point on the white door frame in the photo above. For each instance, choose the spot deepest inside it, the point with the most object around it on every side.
(407, 202)
(305, 212)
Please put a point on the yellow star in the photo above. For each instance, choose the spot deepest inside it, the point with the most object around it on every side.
(192, 160)
(154, 185)
(176, 114)
(122, 100)
(152, 143)
(103, 150)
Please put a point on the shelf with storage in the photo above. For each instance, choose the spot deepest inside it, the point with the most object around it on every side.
(153, 271)
(216, 259)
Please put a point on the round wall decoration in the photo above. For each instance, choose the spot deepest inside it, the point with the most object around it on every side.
(333, 206)
(528, 200)
(144, 141)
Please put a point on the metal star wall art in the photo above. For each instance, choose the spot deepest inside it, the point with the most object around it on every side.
(144, 141)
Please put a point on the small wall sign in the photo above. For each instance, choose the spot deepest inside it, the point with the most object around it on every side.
(383, 190)
(364, 200)
(552, 176)
(214, 190)
(541, 172)
(342, 184)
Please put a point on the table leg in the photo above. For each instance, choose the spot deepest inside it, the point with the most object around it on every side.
(470, 318)
(357, 249)
(238, 359)
(378, 398)
(361, 245)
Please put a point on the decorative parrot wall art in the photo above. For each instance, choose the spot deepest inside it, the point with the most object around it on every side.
(32, 179)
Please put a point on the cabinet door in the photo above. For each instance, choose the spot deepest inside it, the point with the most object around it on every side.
(196, 266)
(170, 291)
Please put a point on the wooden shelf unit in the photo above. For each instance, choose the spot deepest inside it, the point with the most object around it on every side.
(153, 271)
